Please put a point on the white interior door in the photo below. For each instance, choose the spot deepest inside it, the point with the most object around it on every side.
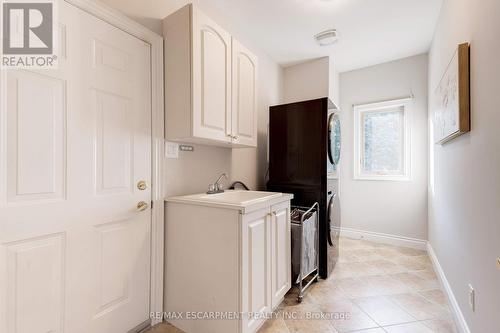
(74, 143)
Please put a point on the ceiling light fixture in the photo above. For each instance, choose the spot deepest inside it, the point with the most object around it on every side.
(327, 37)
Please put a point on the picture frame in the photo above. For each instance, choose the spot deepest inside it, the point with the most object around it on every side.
(452, 98)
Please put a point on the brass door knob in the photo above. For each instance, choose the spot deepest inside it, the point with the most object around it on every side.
(142, 206)
(142, 185)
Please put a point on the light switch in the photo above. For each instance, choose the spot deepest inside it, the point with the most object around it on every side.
(171, 149)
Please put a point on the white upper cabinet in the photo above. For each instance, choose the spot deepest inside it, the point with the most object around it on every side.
(210, 83)
(244, 124)
(211, 61)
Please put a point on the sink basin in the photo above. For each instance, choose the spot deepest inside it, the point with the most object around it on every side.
(233, 199)
(239, 197)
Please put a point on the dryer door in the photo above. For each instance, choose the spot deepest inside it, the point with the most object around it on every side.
(332, 232)
(331, 201)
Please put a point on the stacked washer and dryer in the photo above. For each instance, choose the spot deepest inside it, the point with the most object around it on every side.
(304, 154)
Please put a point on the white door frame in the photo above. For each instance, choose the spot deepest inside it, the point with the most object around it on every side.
(131, 27)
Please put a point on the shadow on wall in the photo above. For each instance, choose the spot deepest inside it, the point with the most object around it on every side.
(249, 165)
(193, 171)
(151, 23)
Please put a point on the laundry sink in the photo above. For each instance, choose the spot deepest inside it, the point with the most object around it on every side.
(237, 199)
(240, 197)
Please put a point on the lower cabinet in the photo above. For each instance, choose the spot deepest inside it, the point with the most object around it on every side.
(280, 252)
(223, 260)
(256, 268)
(266, 262)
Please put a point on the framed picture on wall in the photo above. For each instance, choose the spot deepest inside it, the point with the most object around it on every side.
(452, 98)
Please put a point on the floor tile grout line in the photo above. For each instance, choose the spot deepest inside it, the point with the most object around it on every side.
(433, 302)
(394, 324)
(412, 315)
(363, 311)
(418, 321)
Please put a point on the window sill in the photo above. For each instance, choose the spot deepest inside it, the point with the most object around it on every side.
(383, 178)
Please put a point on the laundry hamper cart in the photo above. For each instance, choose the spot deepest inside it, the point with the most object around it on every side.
(305, 246)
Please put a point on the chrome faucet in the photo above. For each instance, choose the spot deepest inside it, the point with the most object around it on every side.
(217, 186)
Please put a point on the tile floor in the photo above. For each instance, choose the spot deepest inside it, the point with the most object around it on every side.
(375, 288)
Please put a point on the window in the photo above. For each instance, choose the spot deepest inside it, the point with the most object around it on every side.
(382, 141)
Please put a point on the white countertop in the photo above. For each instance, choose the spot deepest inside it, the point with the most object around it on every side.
(245, 201)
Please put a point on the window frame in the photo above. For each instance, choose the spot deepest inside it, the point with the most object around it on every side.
(361, 109)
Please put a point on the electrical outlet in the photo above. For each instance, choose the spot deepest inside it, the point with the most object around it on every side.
(472, 298)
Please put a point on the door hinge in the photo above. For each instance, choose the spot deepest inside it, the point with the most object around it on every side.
(151, 204)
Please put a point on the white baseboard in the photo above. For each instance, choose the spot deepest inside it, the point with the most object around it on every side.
(457, 313)
(378, 237)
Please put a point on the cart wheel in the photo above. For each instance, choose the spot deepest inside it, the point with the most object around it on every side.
(299, 299)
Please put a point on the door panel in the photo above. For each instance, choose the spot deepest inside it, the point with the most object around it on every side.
(281, 252)
(257, 234)
(211, 79)
(113, 271)
(36, 137)
(114, 148)
(40, 298)
(213, 70)
(244, 93)
(74, 142)
(256, 263)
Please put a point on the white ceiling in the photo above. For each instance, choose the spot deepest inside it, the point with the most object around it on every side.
(371, 31)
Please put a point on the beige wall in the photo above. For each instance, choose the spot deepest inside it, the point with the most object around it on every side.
(311, 79)
(390, 207)
(193, 171)
(308, 80)
(464, 189)
(250, 165)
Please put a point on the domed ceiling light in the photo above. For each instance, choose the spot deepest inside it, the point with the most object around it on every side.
(327, 37)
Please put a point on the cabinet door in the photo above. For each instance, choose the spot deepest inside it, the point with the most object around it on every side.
(211, 72)
(280, 252)
(255, 268)
(244, 94)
